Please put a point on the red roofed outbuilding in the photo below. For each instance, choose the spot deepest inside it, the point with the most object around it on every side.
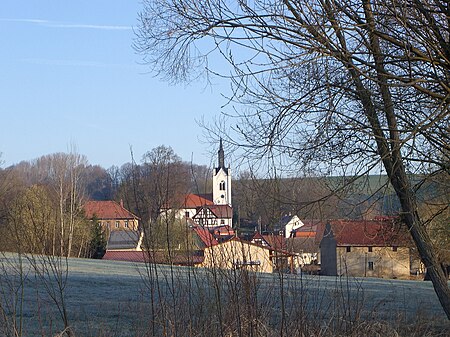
(365, 248)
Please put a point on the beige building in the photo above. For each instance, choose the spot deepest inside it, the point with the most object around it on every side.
(111, 215)
(365, 248)
(238, 254)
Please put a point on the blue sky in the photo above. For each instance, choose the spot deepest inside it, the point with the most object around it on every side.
(69, 75)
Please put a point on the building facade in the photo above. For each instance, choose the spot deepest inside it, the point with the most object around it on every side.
(365, 248)
(239, 254)
(111, 215)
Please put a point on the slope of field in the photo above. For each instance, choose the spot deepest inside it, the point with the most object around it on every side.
(108, 298)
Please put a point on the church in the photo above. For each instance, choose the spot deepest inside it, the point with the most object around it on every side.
(211, 210)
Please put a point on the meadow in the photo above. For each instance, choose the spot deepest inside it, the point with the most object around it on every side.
(112, 298)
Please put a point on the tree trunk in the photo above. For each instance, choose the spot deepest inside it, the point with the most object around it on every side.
(389, 149)
(422, 240)
(61, 220)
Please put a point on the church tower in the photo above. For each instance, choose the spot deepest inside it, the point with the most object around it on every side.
(221, 181)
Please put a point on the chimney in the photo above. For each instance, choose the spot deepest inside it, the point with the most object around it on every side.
(121, 203)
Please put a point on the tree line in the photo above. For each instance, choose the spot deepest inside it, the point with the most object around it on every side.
(41, 201)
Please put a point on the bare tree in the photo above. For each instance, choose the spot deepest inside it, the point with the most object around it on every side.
(160, 180)
(166, 176)
(342, 87)
(65, 175)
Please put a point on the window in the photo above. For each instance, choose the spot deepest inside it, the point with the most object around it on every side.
(369, 249)
(108, 225)
(222, 185)
(348, 249)
(186, 214)
(370, 265)
(117, 223)
(222, 222)
(394, 249)
(126, 224)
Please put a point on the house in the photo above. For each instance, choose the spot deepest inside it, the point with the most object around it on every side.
(269, 240)
(111, 215)
(240, 254)
(288, 224)
(303, 241)
(299, 238)
(223, 233)
(258, 238)
(307, 230)
(214, 215)
(365, 248)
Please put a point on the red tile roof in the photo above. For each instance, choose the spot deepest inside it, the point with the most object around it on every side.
(205, 236)
(309, 230)
(107, 210)
(223, 230)
(197, 200)
(258, 239)
(271, 249)
(221, 211)
(379, 232)
(152, 257)
(131, 256)
(276, 241)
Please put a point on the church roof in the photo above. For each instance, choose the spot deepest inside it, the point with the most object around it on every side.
(221, 156)
(197, 200)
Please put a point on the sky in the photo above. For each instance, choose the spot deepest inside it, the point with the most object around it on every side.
(69, 77)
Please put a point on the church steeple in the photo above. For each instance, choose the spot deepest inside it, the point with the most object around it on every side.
(221, 156)
(221, 180)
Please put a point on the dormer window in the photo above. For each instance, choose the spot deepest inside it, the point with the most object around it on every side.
(222, 185)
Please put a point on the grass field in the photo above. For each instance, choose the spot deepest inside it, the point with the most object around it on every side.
(108, 298)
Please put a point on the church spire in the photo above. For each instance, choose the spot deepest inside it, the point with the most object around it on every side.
(221, 180)
(221, 156)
